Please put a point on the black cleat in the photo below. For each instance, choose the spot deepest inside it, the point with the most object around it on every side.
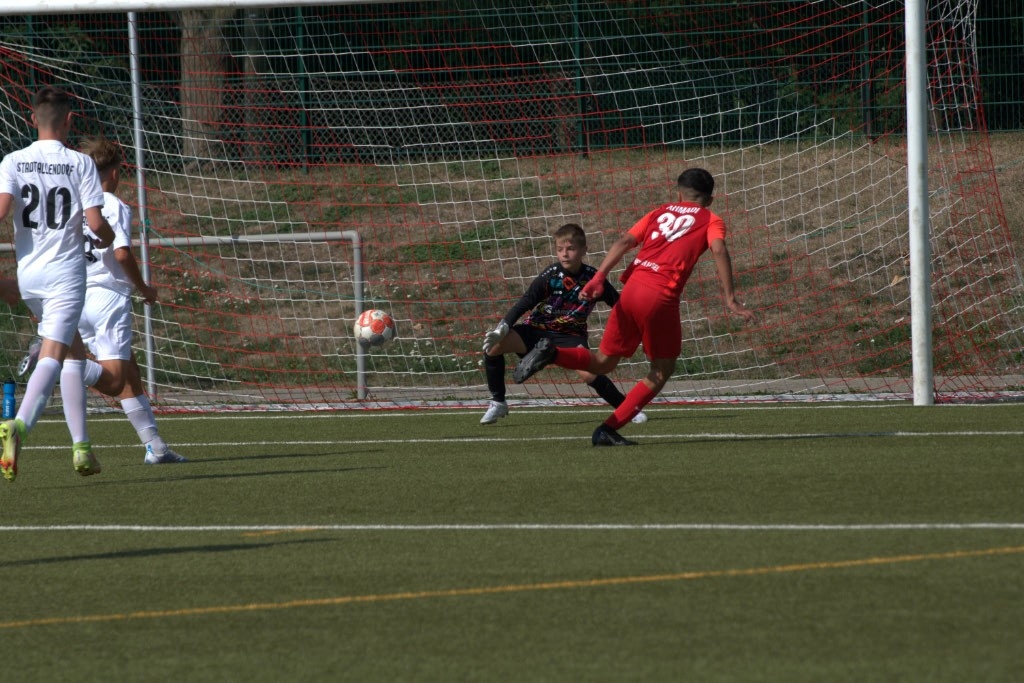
(606, 436)
(536, 360)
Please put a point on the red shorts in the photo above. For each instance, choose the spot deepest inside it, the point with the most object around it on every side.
(643, 316)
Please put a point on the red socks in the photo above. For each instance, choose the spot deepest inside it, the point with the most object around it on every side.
(639, 396)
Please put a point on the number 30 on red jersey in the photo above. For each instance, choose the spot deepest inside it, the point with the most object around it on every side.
(672, 226)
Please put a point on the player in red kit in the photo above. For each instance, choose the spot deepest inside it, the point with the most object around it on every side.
(671, 239)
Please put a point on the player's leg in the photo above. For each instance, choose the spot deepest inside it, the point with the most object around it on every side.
(106, 378)
(72, 394)
(574, 357)
(538, 358)
(571, 352)
(41, 382)
(494, 369)
(37, 394)
(105, 325)
(57, 329)
(603, 387)
(57, 317)
(606, 389)
(106, 330)
(139, 412)
(643, 392)
(655, 323)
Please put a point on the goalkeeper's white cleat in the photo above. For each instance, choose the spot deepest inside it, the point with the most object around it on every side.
(496, 410)
(639, 418)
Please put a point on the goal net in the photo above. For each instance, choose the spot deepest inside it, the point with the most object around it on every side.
(299, 164)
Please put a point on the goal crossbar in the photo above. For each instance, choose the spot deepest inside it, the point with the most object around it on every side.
(34, 7)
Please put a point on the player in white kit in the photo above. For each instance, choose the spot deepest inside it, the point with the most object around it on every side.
(106, 322)
(51, 190)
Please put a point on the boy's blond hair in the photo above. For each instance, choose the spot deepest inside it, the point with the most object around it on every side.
(106, 153)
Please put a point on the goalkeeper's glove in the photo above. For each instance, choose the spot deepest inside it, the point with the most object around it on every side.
(495, 335)
(595, 288)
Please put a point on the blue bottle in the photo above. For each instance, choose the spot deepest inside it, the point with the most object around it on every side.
(10, 402)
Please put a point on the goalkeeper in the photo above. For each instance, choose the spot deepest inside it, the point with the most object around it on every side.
(556, 314)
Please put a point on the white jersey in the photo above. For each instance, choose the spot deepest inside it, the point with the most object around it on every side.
(51, 186)
(103, 270)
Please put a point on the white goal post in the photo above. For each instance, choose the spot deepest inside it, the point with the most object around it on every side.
(919, 232)
(304, 160)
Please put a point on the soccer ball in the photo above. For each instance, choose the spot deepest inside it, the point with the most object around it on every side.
(374, 328)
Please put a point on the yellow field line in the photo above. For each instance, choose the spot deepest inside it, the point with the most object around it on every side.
(514, 588)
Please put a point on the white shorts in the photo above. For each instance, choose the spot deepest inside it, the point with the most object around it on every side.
(106, 324)
(58, 315)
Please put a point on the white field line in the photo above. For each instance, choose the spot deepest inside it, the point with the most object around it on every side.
(705, 436)
(938, 526)
(526, 407)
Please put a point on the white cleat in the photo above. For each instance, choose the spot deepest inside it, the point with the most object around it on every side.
(152, 458)
(639, 418)
(496, 410)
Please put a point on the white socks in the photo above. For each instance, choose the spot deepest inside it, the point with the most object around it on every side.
(72, 394)
(38, 391)
(140, 414)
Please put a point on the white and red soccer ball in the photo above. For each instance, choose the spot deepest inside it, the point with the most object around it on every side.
(374, 327)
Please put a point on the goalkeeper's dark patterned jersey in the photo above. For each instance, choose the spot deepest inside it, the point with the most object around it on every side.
(553, 300)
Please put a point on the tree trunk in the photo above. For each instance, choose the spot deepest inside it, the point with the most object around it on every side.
(202, 81)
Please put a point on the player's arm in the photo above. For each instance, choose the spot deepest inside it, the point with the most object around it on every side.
(8, 188)
(537, 292)
(99, 227)
(723, 264)
(534, 294)
(126, 259)
(5, 204)
(595, 288)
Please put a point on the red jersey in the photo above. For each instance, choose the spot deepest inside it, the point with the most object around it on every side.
(671, 239)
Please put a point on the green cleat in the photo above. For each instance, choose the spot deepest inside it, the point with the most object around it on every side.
(84, 461)
(10, 437)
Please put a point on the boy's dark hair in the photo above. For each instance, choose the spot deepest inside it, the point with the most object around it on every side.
(51, 106)
(573, 231)
(697, 180)
(106, 153)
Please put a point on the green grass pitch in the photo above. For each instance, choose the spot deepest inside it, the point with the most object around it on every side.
(793, 542)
